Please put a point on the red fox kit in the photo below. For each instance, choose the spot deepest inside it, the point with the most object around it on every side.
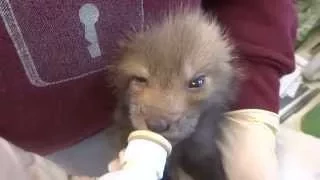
(176, 78)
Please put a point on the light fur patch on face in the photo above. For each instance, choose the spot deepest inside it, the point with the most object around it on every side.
(137, 118)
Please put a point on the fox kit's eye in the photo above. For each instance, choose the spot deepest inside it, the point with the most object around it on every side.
(197, 82)
(139, 79)
(138, 83)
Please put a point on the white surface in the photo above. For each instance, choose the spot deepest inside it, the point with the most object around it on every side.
(89, 157)
(289, 84)
(312, 70)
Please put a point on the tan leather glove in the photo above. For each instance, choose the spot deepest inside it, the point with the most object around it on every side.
(249, 145)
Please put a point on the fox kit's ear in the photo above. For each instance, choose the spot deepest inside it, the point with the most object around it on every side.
(128, 39)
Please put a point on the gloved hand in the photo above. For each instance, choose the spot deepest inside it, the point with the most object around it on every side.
(116, 164)
(249, 145)
(255, 147)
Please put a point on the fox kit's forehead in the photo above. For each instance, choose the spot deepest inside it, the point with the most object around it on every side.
(183, 44)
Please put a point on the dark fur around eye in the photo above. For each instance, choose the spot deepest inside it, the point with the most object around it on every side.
(139, 79)
(197, 82)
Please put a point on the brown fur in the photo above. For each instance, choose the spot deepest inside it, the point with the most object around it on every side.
(152, 78)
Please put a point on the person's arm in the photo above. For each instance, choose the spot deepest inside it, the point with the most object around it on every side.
(264, 32)
(16, 163)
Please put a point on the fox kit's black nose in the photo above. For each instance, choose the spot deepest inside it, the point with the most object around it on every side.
(158, 126)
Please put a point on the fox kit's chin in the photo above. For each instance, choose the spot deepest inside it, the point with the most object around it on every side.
(176, 78)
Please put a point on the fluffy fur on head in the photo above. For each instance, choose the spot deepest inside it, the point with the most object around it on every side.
(176, 78)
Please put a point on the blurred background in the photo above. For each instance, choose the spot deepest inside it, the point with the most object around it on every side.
(299, 92)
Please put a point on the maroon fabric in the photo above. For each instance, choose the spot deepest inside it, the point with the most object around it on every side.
(60, 97)
(264, 32)
(53, 92)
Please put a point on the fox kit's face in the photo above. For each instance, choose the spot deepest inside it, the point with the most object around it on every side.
(169, 73)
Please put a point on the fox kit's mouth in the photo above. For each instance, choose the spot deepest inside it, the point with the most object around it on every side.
(159, 126)
(174, 131)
